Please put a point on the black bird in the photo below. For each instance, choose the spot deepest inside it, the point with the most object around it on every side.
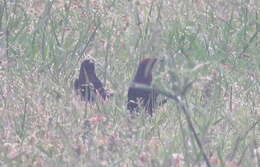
(146, 98)
(88, 85)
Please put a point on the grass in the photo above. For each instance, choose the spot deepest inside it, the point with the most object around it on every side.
(213, 43)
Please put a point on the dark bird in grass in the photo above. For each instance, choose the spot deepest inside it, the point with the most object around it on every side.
(136, 96)
(88, 86)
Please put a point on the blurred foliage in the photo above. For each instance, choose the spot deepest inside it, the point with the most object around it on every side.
(215, 44)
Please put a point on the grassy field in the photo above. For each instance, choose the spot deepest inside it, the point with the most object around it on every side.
(214, 45)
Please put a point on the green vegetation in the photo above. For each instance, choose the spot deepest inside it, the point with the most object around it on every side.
(213, 44)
